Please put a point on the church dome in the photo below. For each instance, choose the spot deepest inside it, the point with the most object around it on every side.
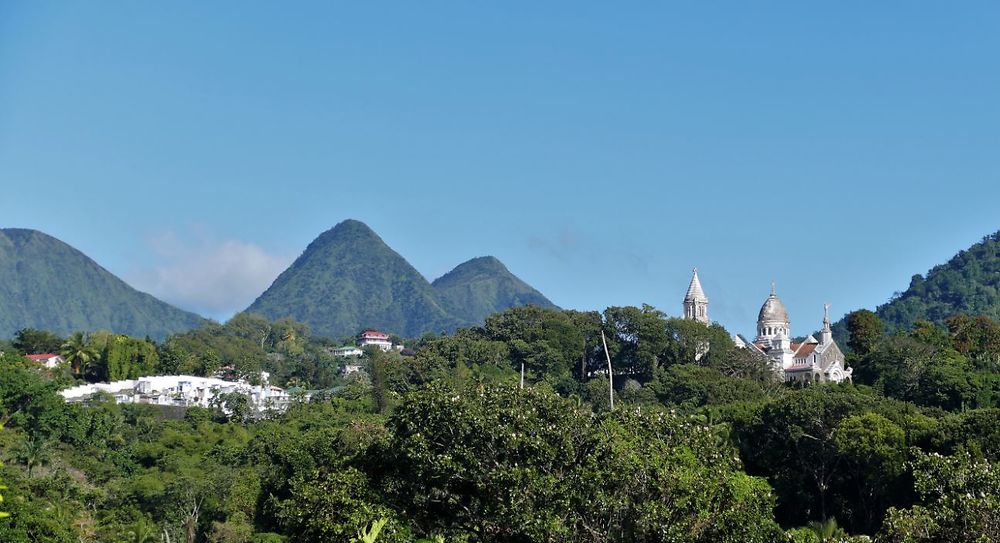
(773, 310)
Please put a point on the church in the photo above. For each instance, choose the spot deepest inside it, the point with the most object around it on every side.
(808, 361)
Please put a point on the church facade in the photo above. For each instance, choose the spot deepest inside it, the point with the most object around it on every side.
(808, 361)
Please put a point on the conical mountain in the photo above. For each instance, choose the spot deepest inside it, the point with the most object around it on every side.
(349, 279)
(46, 284)
(483, 286)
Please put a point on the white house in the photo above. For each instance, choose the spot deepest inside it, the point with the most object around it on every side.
(49, 360)
(347, 352)
(183, 391)
(374, 338)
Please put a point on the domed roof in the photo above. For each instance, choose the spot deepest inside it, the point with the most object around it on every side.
(773, 310)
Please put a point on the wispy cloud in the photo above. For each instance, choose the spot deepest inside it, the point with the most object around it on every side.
(572, 246)
(213, 277)
(563, 246)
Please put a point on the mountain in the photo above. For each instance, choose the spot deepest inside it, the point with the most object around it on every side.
(483, 286)
(46, 284)
(349, 279)
(968, 283)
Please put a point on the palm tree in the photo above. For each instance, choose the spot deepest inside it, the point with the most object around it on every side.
(827, 531)
(33, 451)
(142, 531)
(78, 351)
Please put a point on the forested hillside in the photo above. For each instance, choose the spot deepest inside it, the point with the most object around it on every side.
(45, 283)
(967, 284)
(448, 445)
(348, 279)
(482, 286)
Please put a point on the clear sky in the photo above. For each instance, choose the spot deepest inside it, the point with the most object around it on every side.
(600, 149)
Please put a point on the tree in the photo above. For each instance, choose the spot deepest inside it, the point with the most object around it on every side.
(827, 531)
(252, 327)
(692, 386)
(78, 352)
(129, 358)
(873, 452)
(958, 502)
(33, 451)
(865, 329)
(334, 506)
(793, 441)
(527, 465)
(978, 339)
(31, 341)
(638, 340)
(232, 407)
(693, 342)
(236, 529)
(3, 514)
(547, 341)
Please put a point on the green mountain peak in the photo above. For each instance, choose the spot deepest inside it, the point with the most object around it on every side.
(348, 279)
(482, 286)
(47, 284)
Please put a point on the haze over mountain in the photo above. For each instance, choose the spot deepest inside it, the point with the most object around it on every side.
(47, 284)
(482, 286)
(348, 279)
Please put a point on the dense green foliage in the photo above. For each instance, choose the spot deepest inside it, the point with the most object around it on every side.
(46, 284)
(700, 447)
(348, 279)
(967, 284)
(482, 286)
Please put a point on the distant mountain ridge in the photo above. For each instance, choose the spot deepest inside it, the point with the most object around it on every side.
(969, 283)
(348, 279)
(47, 284)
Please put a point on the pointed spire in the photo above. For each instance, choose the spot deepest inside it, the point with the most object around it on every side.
(774, 290)
(695, 301)
(827, 331)
(694, 292)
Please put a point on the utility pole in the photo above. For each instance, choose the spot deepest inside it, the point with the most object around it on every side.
(611, 385)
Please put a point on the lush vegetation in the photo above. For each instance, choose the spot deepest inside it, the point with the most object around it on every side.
(482, 286)
(447, 444)
(348, 279)
(49, 285)
(968, 284)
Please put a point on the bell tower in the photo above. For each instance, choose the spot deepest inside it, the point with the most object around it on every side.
(695, 301)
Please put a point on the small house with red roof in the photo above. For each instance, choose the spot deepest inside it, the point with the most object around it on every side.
(49, 360)
(374, 338)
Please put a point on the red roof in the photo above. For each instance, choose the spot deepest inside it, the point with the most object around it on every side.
(41, 357)
(806, 350)
(374, 334)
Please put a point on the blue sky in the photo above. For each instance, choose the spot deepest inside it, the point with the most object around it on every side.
(601, 150)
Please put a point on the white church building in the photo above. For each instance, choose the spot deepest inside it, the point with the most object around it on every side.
(809, 361)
